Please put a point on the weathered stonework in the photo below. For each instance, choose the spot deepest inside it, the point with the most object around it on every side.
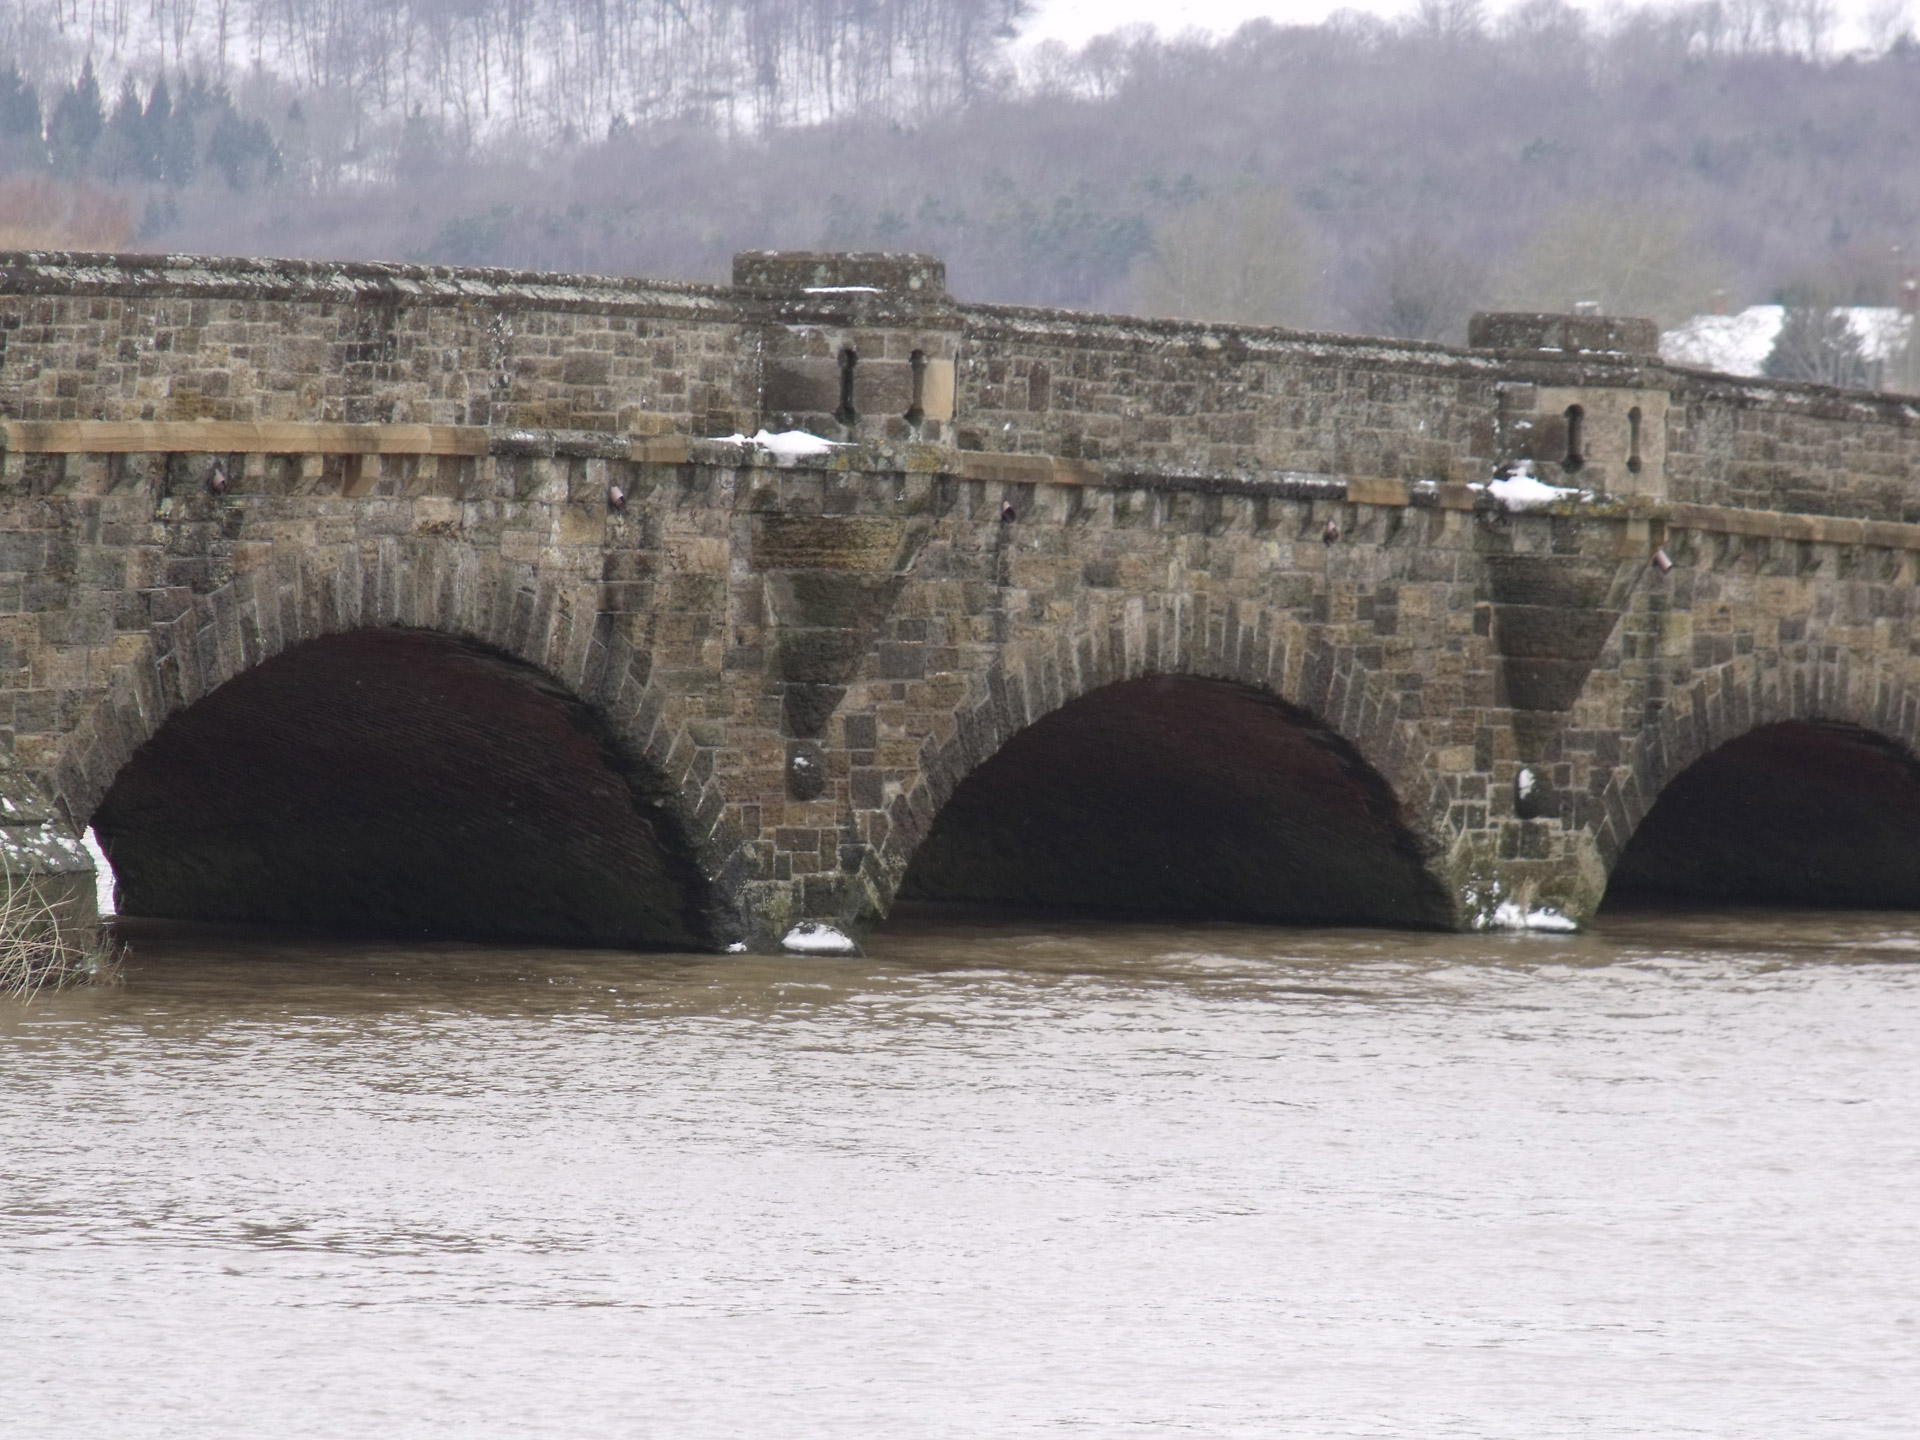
(793, 663)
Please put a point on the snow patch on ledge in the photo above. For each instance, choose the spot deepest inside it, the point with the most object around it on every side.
(1509, 916)
(1523, 490)
(788, 445)
(810, 937)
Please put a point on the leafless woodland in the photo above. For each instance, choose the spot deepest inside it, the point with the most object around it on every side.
(1385, 176)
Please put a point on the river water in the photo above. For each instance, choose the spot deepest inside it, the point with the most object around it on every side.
(1002, 1177)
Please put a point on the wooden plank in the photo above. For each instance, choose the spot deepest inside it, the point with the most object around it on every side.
(225, 437)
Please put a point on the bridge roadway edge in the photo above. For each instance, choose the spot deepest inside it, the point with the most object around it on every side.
(883, 579)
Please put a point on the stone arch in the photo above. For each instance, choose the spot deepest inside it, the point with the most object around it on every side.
(1805, 715)
(545, 621)
(1128, 638)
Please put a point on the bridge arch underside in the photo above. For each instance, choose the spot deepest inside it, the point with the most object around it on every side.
(399, 782)
(1180, 797)
(1799, 812)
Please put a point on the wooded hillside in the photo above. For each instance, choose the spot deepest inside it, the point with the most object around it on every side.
(1385, 177)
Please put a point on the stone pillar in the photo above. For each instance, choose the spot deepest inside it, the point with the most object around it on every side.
(854, 347)
(1533, 874)
(1551, 596)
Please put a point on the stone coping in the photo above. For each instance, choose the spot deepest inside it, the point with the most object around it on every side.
(228, 277)
(1022, 469)
(228, 437)
(107, 437)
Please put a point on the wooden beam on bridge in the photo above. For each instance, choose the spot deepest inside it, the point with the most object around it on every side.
(230, 437)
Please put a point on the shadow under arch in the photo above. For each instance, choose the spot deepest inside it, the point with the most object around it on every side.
(1793, 812)
(1180, 796)
(406, 782)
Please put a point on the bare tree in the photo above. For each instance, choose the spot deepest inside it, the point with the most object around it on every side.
(1242, 256)
(1415, 289)
(1637, 260)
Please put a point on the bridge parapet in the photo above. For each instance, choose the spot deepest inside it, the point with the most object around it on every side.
(185, 339)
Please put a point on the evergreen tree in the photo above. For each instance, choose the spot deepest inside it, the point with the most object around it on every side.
(22, 139)
(1817, 343)
(78, 119)
(241, 150)
(125, 151)
(192, 118)
(169, 135)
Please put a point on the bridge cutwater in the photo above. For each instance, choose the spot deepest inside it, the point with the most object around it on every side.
(510, 605)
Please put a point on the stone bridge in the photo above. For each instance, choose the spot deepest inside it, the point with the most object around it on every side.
(454, 602)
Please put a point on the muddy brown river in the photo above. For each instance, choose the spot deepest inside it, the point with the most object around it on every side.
(1001, 1177)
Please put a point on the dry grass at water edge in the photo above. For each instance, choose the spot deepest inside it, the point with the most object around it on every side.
(38, 212)
(35, 953)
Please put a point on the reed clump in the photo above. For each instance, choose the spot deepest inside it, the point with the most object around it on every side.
(38, 952)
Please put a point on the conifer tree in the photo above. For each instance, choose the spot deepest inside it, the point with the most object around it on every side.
(78, 120)
(124, 149)
(171, 135)
(1817, 343)
(22, 137)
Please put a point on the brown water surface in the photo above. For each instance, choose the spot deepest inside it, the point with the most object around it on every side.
(1002, 1177)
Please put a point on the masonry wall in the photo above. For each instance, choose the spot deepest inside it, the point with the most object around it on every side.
(806, 661)
(1200, 399)
(1808, 449)
(147, 592)
(179, 339)
(994, 624)
(245, 340)
(1211, 399)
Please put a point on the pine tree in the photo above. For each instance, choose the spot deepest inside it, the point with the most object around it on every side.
(77, 121)
(22, 139)
(168, 136)
(125, 153)
(1817, 343)
(181, 152)
(241, 150)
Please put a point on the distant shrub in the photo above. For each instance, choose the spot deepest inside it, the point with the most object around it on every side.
(37, 952)
(40, 212)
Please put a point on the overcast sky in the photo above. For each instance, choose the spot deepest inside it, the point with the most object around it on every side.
(1077, 21)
